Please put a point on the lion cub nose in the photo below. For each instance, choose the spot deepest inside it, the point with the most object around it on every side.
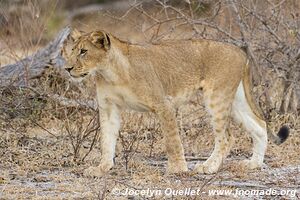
(69, 69)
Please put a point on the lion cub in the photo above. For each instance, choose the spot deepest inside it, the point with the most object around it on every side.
(156, 78)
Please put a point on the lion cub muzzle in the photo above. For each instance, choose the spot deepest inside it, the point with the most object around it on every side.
(69, 70)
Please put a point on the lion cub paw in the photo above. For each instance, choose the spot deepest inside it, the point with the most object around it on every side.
(250, 164)
(205, 169)
(177, 167)
(98, 171)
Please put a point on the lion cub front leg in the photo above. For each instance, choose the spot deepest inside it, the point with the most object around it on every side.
(174, 148)
(110, 125)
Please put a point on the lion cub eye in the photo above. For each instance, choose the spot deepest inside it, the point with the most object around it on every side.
(83, 51)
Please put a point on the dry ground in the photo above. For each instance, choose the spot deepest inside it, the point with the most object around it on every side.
(37, 165)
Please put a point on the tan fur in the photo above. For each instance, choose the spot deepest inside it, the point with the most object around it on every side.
(157, 78)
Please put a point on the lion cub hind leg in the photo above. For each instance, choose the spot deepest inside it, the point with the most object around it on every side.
(243, 114)
(218, 103)
(173, 145)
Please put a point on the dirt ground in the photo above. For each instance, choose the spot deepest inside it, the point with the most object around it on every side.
(37, 165)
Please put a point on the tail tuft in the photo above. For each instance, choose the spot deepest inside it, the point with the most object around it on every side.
(283, 134)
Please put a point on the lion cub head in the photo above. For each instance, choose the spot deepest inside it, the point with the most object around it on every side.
(85, 53)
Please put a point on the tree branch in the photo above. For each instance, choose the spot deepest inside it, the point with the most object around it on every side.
(36, 64)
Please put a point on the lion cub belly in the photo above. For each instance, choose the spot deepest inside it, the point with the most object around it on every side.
(123, 98)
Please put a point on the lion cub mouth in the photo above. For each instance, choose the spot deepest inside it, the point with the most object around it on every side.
(80, 76)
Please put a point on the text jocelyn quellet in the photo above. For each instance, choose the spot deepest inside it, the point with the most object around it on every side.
(158, 192)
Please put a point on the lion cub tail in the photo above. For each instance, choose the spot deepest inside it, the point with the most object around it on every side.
(283, 132)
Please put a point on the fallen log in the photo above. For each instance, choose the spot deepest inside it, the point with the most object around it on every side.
(34, 66)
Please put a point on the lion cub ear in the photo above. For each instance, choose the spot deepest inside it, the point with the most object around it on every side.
(75, 34)
(101, 40)
(68, 42)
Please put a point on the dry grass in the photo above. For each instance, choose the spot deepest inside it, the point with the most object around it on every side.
(35, 164)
